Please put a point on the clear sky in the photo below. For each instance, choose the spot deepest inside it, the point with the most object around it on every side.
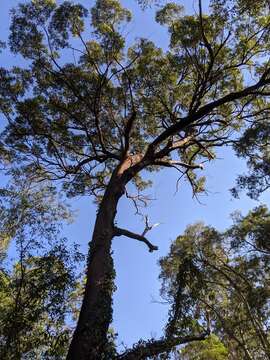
(137, 313)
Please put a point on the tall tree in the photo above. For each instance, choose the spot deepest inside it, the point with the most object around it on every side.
(220, 281)
(94, 115)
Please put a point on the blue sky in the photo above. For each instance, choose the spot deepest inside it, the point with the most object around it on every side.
(137, 313)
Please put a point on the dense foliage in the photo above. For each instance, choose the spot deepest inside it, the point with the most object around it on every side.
(39, 282)
(220, 281)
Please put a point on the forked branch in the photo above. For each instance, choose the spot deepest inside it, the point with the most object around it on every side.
(140, 237)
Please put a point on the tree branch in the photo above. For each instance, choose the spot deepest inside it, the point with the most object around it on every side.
(206, 42)
(173, 145)
(174, 163)
(128, 129)
(119, 232)
(155, 347)
(205, 110)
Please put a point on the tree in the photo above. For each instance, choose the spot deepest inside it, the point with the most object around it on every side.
(35, 302)
(94, 116)
(40, 290)
(219, 281)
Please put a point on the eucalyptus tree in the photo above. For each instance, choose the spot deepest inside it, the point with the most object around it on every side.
(93, 114)
(220, 281)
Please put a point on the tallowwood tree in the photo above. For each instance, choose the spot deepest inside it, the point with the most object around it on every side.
(93, 114)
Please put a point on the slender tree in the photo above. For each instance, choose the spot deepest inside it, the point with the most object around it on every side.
(89, 112)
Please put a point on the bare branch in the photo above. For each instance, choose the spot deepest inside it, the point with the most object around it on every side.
(123, 232)
(173, 145)
(139, 201)
(174, 163)
(148, 227)
(128, 129)
(206, 42)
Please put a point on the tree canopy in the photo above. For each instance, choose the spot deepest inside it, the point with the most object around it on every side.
(75, 120)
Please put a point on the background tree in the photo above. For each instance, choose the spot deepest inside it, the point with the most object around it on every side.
(39, 289)
(220, 281)
(94, 115)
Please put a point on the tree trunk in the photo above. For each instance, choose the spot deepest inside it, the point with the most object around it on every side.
(90, 337)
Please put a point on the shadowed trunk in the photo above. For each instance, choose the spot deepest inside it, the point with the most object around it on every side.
(90, 337)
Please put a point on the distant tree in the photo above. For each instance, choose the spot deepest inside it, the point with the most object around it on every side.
(220, 281)
(40, 289)
(35, 300)
(94, 115)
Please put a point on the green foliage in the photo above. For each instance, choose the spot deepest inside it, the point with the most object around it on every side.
(32, 212)
(109, 13)
(69, 120)
(34, 305)
(169, 14)
(39, 286)
(210, 349)
(254, 146)
(219, 281)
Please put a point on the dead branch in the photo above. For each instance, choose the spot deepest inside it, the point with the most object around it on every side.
(123, 232)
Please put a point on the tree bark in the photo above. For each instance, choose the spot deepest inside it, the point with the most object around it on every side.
(90, 337)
